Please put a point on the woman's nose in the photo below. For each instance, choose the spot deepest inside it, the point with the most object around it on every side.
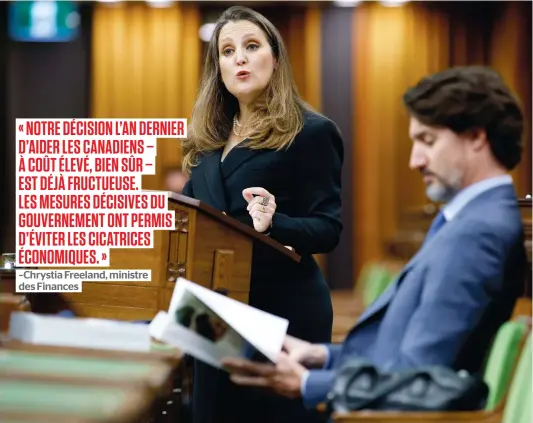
(240, 57)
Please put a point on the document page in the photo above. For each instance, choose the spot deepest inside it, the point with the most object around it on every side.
(210, 326)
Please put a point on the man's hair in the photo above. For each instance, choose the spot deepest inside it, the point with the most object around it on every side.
(470, 98)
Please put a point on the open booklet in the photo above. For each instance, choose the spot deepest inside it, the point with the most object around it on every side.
(210, 326)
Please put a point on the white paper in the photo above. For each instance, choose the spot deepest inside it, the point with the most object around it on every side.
(74, 332)
(210, 326)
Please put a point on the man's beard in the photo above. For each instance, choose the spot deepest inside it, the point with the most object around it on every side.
(440, 193)
(443, 190)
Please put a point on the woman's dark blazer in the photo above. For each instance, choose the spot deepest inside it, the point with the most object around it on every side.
(305, 180)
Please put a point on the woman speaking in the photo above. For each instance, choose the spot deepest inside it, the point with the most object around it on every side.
(259, 153)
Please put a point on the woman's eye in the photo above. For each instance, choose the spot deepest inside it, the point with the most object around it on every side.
(226, 51)
(252, 46)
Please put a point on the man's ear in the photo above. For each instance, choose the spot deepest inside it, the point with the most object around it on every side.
(478, 138)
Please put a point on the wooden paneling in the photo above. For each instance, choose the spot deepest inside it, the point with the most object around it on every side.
(392, 49)
(146, 64)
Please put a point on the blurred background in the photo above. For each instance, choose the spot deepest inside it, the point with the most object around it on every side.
(351, 60)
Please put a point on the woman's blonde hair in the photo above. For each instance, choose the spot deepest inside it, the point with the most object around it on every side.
(278, 114)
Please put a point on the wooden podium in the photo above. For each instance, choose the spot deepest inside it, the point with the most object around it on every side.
(207, 247)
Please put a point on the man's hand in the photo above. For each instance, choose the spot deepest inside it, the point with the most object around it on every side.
(284, 378)
(305, 353)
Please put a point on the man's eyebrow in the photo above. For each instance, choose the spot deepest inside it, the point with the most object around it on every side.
(420, 134)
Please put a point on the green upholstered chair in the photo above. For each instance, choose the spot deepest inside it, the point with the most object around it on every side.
(501, 361)
(519, 402)
(375, 278)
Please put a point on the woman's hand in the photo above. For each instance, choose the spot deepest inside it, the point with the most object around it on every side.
(261, 207)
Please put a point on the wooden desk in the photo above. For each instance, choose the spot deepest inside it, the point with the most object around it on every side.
(155, 375)
(152, 375)
(7, 281)
(22, 398)
(10, 301)
(31, 418)
(159, 352)
(411, 417)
